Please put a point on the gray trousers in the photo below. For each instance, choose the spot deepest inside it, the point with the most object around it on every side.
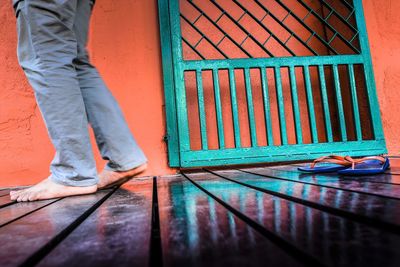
(52, 37)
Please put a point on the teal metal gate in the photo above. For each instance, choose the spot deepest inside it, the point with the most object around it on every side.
(267, 80)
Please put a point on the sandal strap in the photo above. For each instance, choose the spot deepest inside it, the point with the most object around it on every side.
(354, 162)
(331, 159)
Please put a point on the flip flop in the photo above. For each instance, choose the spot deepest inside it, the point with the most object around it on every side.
(366, 166)
(326, 164)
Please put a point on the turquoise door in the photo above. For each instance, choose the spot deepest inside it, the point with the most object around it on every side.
(264, 81)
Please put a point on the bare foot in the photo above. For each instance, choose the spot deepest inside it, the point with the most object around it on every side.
(48, 189)
(111, 178)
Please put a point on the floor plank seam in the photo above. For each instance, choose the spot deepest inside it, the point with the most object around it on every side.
(8, 204)
(155, 254)
(285, 245)
(36, 257)
(334, 211)
(28, 213)
(326, 186)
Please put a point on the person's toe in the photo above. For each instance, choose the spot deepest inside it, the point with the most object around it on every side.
(33, 196)
(19, 198)
(14, 194)
(25, 197)
(17, 195)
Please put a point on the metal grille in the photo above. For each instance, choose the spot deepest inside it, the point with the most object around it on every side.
(251, 81)
(249, 29)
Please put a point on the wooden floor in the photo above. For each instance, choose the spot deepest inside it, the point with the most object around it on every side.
(264, 216)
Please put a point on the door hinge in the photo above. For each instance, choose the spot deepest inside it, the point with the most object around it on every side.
(166, 138)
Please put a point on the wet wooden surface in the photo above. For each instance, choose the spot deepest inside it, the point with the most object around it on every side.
(4, 192)
(340, 183)
(198, 231)
(356, 205)
(5, 201)
(115, 234)
(262, 216)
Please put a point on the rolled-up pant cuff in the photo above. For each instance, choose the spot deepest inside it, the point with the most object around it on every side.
(72, 182)
(126, 166)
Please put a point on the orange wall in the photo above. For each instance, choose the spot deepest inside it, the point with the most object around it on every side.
(383, 25)
(125, 47)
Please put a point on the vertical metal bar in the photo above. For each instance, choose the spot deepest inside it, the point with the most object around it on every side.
(325, 103)
(281, 105)
(267, 108)
(202, 112)
(169, 89)
(235, 113)
(356, 111)
(295, 104)
(369, 74)
(218, 109)
(182, 118)
(310, 104)
(250, 107)
(339, 102)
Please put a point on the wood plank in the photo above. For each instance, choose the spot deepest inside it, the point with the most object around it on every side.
(364, 187)
(5, 201)
(332, 240)
(116, 234)
(18, 210)
(26, 240)
(4, 192)
(371, 210)
(198, 231)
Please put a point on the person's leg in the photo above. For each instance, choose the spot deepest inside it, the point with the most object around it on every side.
(47, 47)
(113, 137)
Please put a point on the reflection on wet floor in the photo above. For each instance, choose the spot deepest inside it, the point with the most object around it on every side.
(198, 231)
(328, 238)
(264, 216)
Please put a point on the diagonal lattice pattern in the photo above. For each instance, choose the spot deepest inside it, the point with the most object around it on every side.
(224, 29)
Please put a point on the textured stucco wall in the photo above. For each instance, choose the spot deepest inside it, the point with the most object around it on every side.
(125, 48)
(383, 25)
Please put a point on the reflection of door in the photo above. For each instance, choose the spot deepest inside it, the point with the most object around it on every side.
(261, 81)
